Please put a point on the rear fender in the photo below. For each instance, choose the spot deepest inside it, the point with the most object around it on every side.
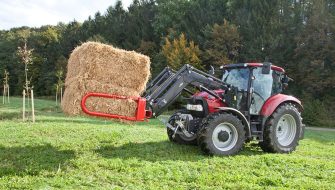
(273, 102)
(240, 116)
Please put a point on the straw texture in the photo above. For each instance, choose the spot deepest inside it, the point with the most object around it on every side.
(96, 67)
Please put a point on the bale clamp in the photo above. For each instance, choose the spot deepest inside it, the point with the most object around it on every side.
(140, 115)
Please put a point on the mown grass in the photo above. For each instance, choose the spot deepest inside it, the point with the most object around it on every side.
(88, 153)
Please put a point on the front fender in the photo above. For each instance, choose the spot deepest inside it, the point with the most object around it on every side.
(240, 116)
(273, 102)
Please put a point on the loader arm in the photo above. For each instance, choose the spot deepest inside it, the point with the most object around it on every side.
(161, 92)
(158, 80)
(168, 85)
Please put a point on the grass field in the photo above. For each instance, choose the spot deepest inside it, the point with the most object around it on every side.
(86, 153)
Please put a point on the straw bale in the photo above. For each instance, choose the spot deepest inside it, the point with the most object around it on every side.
(96, 67)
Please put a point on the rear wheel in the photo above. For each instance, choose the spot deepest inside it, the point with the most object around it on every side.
(222, 134)
(178, 137)
(282, 131)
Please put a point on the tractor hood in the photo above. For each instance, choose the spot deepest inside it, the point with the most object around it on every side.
(206, 95)
(212, 103)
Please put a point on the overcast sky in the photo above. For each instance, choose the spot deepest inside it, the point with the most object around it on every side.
(35, 13)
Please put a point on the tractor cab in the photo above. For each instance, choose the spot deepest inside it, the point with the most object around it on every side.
(254, 83)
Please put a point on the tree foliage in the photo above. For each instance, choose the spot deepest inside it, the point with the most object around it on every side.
(298, 35)
(26, 56)
(180, 51)
(315, 50)
(223, 44)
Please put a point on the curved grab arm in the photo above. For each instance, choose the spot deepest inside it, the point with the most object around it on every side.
(140, 111)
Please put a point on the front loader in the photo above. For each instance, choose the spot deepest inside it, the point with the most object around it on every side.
(245, 104)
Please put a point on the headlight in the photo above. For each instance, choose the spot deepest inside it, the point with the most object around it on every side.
(194, 107)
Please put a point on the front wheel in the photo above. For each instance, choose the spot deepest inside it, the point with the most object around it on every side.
(282, 132)
(222, 134)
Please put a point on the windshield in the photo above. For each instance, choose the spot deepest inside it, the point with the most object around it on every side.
(237, 77)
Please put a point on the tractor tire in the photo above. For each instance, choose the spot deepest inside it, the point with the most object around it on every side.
(222, 134)
(179, 138)
(282, 130)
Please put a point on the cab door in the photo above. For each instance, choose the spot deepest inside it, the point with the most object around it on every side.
(238, 78)
(261, 89)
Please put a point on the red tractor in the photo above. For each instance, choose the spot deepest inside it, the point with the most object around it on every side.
(245, 104)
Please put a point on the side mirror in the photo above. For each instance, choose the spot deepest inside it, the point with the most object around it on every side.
(266, 69)
(211, 70)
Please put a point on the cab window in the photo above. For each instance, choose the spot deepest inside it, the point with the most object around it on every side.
(237, 77)
(262, 83)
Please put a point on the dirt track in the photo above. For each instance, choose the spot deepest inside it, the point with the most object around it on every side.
(320, 129)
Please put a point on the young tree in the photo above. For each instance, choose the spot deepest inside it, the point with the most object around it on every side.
(26, 57)
(179, 52)
(5, 94)
(60, 68)
(59, 85)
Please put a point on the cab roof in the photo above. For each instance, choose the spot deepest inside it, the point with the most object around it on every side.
(239, 65)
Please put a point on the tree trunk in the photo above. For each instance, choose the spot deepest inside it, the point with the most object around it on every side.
(28, 96)
(8, 93)
(56, 95)
(32, 105)
(24, 106)
(3, 95)
(61, 95)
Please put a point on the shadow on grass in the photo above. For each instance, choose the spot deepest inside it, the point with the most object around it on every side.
(31, 160)
(85, 120)
(162, 151)
(251, 148)
(9, 115)
(75, 121)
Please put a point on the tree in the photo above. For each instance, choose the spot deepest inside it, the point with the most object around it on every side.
(138, 24)
(26, 57)
(202, 13)
(115, 32)
(71, 37)
(5, 94)
(223, 44)
(59, 85)
(179, 52)
(60, 68)
(170, 14)
(61, 64)
(258, 26)
(97, 38)
(147, 48)
(315, 52)
(47, 49)
(189, 17)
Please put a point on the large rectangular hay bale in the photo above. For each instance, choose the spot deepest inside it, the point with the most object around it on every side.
(96, 67)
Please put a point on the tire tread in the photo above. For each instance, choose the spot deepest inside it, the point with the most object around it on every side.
(268, 144)
(204, 132)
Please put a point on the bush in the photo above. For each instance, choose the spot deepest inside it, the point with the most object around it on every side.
(317, 113)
